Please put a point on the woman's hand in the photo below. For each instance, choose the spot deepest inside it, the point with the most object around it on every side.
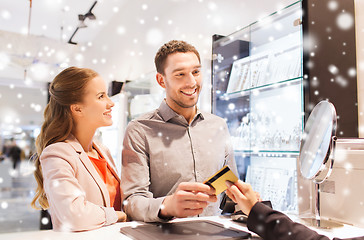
(121, 216)
(242, 194)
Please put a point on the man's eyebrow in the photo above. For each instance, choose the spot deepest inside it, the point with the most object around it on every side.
(180, 69)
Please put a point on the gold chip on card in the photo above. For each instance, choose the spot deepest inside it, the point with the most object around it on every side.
(218, 180)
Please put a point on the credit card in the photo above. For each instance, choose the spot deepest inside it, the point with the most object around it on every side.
(217, 181)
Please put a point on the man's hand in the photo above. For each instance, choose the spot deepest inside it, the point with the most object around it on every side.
(189, 199)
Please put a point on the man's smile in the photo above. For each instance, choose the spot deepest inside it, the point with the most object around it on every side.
(189, 92)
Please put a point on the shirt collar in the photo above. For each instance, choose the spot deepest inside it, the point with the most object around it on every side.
(167, 113)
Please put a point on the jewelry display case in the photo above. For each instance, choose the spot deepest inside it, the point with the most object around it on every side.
(257, 88)
(265, 83)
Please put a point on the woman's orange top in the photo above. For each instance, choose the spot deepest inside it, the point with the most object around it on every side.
(111, 181)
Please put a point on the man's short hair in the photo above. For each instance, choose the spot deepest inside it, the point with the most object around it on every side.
(169, 48)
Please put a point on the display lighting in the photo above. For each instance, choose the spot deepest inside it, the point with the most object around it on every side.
(82, 19)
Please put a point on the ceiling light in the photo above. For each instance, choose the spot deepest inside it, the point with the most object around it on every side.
(81, 17)
(90, 15)
(82, 24)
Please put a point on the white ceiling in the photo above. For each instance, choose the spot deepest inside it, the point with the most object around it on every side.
(120, 44)
(47, 17)
(123, 39)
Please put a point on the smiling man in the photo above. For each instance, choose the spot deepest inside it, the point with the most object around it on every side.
(169, 152)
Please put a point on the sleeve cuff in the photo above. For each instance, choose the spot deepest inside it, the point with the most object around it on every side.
(110, 214)
(257, 216)
(164, 219)
(160, 217)
(143, 209)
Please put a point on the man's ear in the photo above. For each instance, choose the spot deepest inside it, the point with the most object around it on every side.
(160, 80)
(76, 109)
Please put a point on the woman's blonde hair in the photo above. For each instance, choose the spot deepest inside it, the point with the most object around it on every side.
(67, 88)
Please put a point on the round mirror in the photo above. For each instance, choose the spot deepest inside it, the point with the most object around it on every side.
(316, 143)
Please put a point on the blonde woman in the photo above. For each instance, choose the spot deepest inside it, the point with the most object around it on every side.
(77, 179)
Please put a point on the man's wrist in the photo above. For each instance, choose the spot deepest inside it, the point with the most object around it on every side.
(163, 215)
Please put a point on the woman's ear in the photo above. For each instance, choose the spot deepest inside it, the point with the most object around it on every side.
(76, 109)
(160, 80)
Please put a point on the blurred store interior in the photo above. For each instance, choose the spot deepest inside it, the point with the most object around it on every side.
(118, 39)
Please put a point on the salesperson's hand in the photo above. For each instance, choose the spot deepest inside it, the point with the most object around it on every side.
(242, 194)
(121, 216)
(189, 199)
